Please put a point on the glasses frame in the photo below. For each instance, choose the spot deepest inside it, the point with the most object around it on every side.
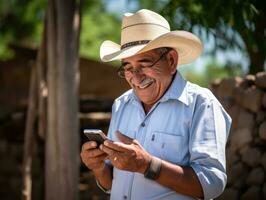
(121, 70)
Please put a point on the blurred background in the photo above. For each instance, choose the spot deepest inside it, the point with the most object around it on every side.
(232, 66)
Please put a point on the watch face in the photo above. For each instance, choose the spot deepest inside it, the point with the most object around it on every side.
(154, 169)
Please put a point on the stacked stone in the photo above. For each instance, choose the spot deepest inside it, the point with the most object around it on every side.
(11, 154)
(245, 100)
(94, 113)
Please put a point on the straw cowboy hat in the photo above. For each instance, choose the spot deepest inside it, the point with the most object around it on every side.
(146, 30)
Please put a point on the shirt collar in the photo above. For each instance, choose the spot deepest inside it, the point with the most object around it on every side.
(176, 91)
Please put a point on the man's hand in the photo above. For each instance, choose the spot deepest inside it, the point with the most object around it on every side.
(92, 156)
(127, 155)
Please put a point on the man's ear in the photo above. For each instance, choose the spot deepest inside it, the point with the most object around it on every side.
(173, 60)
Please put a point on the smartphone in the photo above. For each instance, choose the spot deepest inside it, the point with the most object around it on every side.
(95, 135)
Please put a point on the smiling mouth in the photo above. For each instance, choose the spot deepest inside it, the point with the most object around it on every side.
(145, 83)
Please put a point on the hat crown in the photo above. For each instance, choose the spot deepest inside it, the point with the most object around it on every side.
(143, 25)
(144, 16)
(146, 30)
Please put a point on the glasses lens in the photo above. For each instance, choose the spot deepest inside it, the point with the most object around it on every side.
(121, 72)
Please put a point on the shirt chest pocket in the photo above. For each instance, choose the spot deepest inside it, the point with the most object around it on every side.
(167, 146)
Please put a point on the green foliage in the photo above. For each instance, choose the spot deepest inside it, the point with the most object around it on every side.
(235, 24)
(97, 25)
(95, 29)
(20, 22)
(212, 72)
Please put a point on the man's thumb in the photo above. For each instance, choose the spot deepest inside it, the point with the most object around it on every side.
(123, 138)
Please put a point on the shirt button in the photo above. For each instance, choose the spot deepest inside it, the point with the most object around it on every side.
(142, 124)
(125, 197)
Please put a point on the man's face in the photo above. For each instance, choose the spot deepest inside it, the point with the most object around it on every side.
(150, 83)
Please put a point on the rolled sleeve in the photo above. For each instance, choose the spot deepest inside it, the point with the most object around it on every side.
(209, 132)
(212, 180)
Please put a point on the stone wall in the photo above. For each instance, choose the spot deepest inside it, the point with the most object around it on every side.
(245, 100)
(94, 113)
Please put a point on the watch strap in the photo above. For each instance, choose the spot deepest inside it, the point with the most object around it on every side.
(154, 169)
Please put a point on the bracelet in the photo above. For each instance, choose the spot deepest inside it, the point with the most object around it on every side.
(102, 188)
(154, 169)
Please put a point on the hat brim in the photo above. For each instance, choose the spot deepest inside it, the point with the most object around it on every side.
(187, 45)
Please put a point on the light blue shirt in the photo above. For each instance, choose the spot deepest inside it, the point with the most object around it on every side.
(187, 127)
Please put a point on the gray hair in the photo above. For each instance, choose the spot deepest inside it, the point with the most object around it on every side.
(163, 50)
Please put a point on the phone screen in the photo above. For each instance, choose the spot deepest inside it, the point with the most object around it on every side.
(95, 135)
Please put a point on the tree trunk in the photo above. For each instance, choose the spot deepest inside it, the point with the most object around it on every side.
(42, 83)
(257, 60)
(256, 46)
(62, 140)
(29, 138)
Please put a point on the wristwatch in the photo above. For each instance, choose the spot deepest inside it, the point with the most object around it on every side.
(154, 169)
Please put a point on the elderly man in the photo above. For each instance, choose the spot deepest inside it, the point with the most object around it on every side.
(167, 136)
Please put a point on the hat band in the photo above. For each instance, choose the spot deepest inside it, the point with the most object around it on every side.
(129, 44)
(147, 24)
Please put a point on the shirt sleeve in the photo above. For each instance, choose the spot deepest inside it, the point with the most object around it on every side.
(209, 132)
(111, 125)
(110, 133)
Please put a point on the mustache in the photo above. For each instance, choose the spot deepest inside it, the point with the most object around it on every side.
(144, 83)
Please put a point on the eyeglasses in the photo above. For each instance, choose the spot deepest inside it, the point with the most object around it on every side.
(122, 72)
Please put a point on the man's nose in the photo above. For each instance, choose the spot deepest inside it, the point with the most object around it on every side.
(136, 71)
(137, 77)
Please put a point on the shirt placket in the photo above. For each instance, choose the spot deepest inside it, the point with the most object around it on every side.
(141, 136)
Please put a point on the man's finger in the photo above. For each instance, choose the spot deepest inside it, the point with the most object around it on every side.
(98, 159)
(123, 138)
(95, 153)
(110, 151)
(117, 146)
(89, 145)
